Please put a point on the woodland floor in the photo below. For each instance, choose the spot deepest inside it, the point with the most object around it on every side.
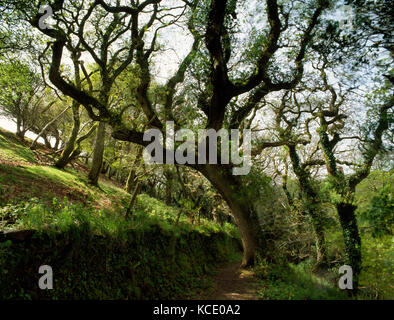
(233, 283)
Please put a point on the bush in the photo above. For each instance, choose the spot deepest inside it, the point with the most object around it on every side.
(376, 276)
(379, 214)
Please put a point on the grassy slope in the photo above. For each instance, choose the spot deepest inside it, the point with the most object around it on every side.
(95, 218)
(11, 149)
(22, 176)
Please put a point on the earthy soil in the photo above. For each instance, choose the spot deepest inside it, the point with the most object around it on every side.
(233, 283)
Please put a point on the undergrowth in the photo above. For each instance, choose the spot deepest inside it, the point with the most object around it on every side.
(98, 254)
(288, 281)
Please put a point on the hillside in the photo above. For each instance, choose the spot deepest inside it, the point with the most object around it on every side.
(43, 207)
(25, 174)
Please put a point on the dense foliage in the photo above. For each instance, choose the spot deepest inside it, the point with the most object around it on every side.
(308, 87)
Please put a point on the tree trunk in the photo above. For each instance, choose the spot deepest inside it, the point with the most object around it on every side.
(47, 142)
(151, 188)
(19, 132)
(311, 206)
(77, 150)
(242, 207)
(168, 196)
(351, 239)
(130, 179)
(136, 192)
(33, 145)
(57, 141)
(70, 144)
(97, 155)
(133, 170)
(112, 172)
(104, 167)
(320, 242)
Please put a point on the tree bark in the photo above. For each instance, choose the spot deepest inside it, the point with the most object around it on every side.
(104, 167)
(112, 172)
(130, 179)
(33, 145)
(57, 140)
(136, 192)
(20, 133)
(97, 155)
(242, 207)
(320, 241)
(47, 142)
(311, 206)
(351, 239)
(133, 170)
(70, 144)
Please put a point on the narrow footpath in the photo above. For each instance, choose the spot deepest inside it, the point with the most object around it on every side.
(233, 283)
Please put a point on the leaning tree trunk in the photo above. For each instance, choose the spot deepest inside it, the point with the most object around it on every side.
(136, 192)
(243, 209)
(98, 154)
(47, 142)
(130, 179)
(78, 149)
(70, 144)
(34, 144)
(133, 170)
(351, 239)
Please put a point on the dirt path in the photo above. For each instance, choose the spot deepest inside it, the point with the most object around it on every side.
(233, 283)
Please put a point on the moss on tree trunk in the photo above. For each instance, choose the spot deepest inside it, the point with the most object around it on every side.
(351, 239)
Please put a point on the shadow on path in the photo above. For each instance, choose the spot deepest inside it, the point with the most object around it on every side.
(233, 283)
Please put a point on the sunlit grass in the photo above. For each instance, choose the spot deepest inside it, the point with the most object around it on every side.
(12, 150)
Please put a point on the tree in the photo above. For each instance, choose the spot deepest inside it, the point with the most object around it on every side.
(345, 186)
(293, 130)
(22, 95)
(65, 156)
(328, 108)
(98, 154)
(221, 89)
